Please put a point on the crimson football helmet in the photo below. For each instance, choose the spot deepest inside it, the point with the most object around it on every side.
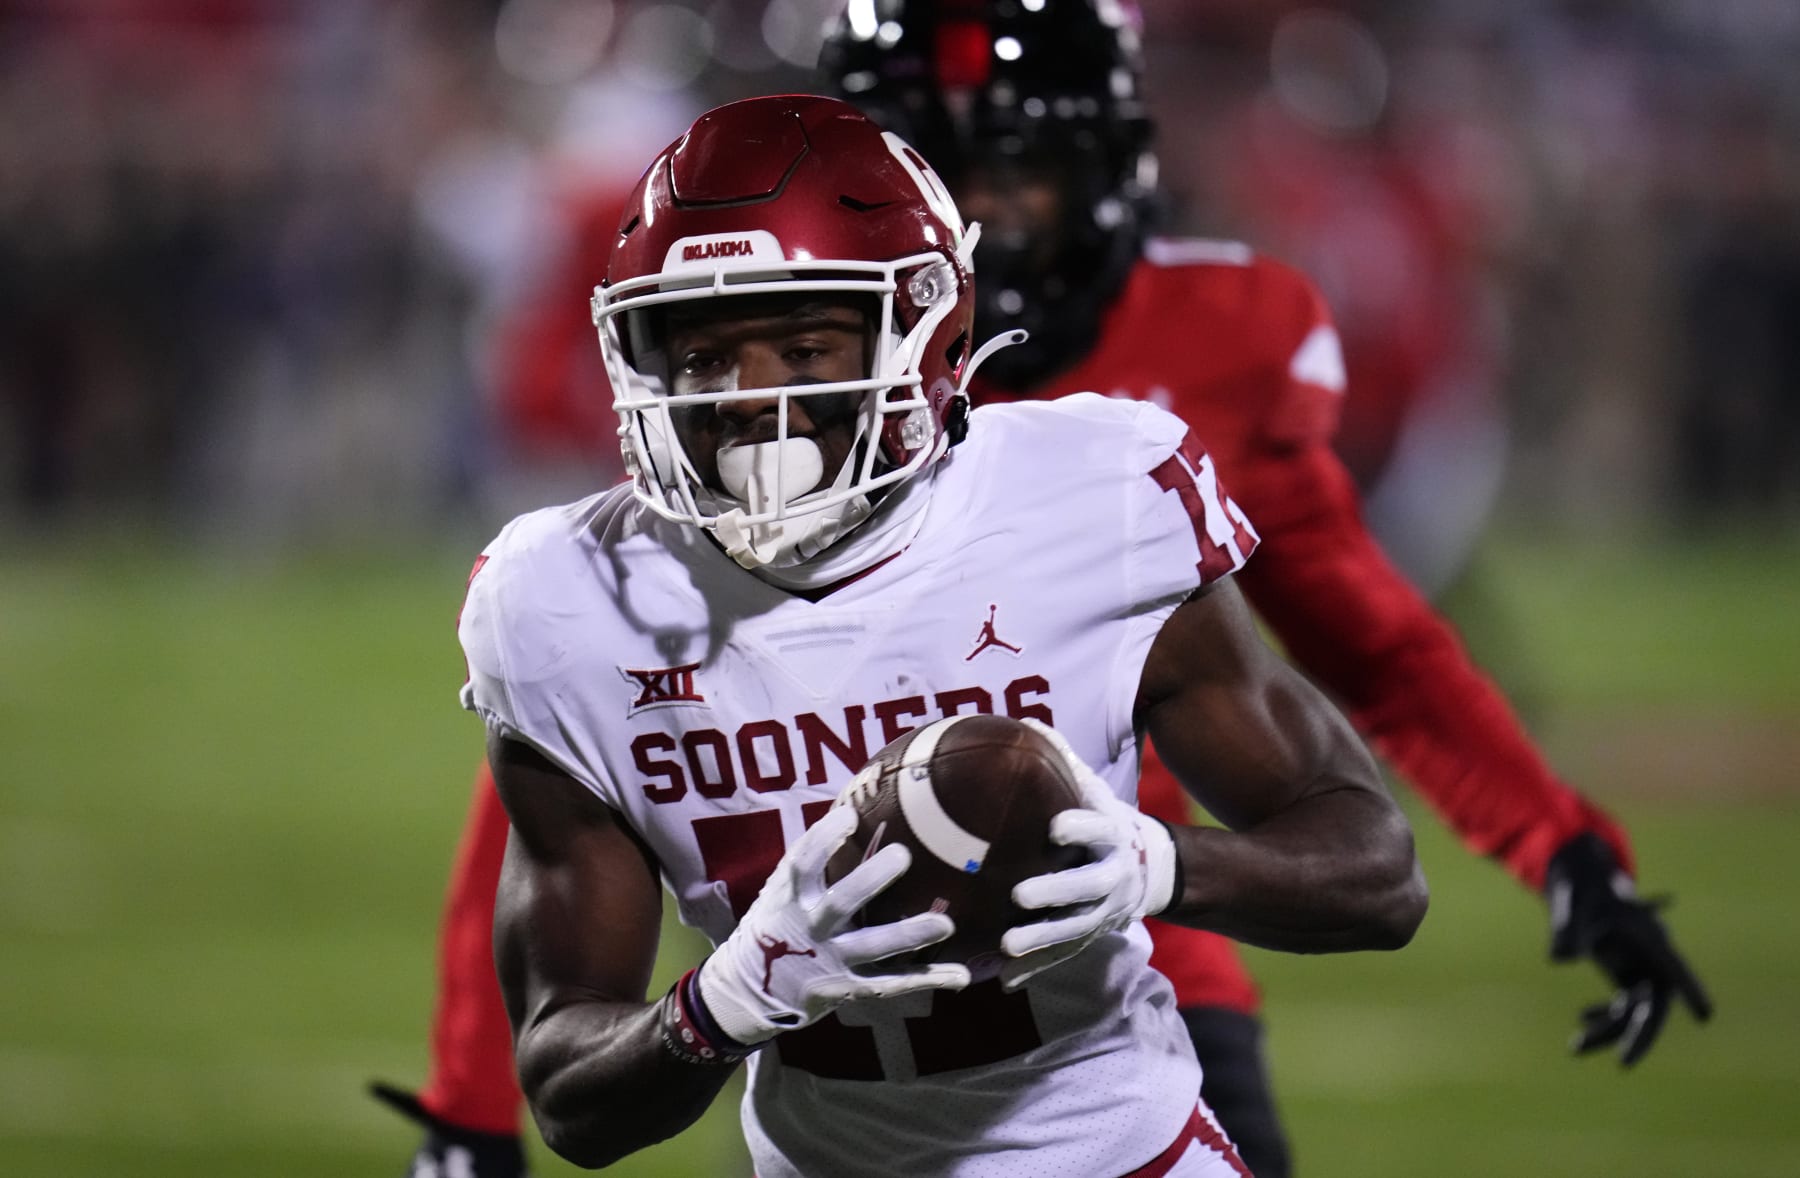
(791, 193)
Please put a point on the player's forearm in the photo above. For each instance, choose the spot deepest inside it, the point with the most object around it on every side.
(1334, 873)
(602, 1084)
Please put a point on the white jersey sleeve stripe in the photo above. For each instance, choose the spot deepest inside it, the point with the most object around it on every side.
(1319, 360)
(1197, 251)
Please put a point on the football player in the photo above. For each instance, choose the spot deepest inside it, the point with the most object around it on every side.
(1034, 116)
(679, 675)
(1046, 136)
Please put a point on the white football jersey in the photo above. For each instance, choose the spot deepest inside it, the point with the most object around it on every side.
(721, 715)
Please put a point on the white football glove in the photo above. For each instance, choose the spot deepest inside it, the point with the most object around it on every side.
(792, 959)
(1132, 875)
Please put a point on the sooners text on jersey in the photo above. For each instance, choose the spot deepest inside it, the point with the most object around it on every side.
(719, 715)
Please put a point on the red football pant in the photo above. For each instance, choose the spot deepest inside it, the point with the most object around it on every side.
(472, 1081)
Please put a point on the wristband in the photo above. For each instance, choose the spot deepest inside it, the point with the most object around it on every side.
(689, 1032)
(1178, 886)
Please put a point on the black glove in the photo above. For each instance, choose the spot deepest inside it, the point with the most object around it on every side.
(449, 1151)
(1595, 912)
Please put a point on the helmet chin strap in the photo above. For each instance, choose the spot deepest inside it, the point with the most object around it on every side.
(767, 475)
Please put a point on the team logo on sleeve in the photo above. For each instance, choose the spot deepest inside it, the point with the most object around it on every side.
(989, 639)
(663, 685)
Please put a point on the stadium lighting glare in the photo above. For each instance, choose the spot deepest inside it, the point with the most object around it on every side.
(863, 24)
(1329, 71)
(551, 42)
(1008, 49)
(794, 29)
(664, 47)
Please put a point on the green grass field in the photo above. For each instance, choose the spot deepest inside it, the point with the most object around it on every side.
(231, 795)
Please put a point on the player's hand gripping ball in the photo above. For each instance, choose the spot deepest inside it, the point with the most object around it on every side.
(972, 797)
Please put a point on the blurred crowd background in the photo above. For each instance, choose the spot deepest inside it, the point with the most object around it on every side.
(259, 259)
(307, 279)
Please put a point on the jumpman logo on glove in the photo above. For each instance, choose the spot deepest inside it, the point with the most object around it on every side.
(774, 950)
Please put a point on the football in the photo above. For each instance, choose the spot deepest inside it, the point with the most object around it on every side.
(972, 797)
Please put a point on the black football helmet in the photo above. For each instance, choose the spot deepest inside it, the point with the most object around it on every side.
(1047, 87)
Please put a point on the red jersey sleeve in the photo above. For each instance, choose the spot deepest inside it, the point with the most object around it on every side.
(1309, 377)
(472, 1084)
(550, 384)
(1364, 633)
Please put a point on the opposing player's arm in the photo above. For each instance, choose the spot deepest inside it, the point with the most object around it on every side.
(576, 923)
(1344, 613)
(1318, 858)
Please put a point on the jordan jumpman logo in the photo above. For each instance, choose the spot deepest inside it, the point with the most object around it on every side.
(988, 638)
(774, 949)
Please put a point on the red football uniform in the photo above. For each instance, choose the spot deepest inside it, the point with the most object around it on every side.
(1244, 350)
(551, 397)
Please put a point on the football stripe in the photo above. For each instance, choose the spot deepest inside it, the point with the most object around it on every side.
(936, 831)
